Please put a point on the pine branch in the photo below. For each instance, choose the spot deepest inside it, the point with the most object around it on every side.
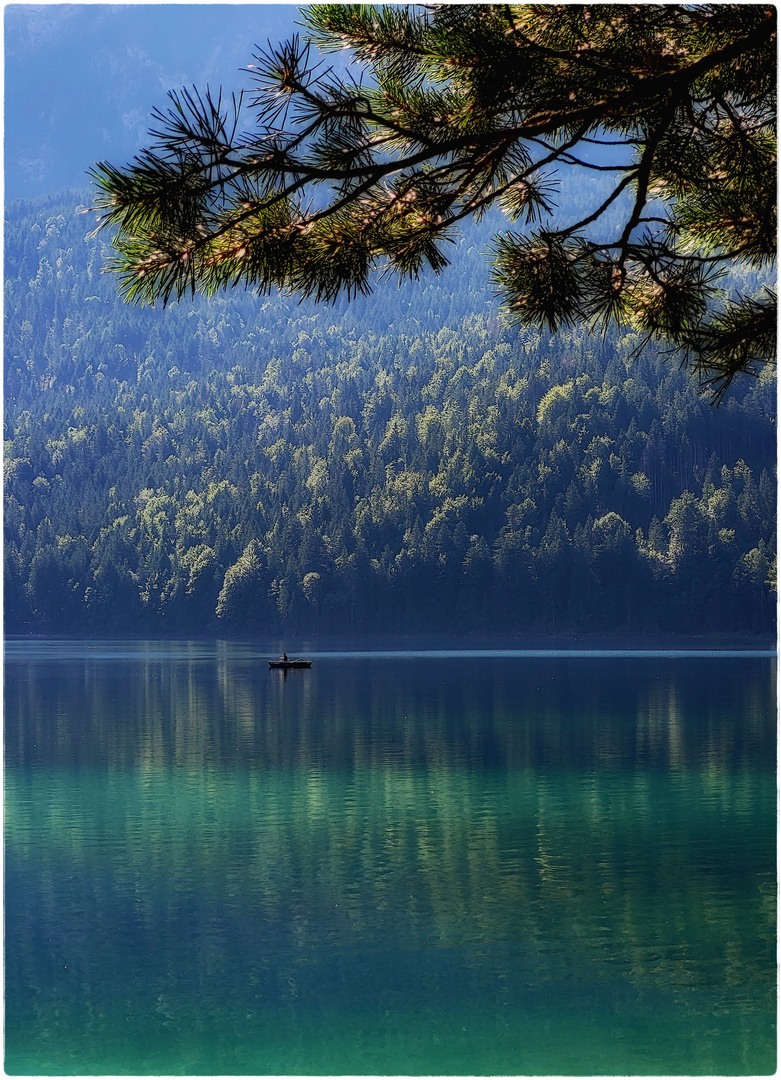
(466, 106)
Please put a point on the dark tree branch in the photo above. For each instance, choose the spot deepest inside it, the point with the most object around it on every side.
(471, 105)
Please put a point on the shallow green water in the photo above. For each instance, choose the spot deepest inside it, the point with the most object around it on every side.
(388, 864)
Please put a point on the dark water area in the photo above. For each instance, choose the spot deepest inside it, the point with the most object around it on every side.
(393, 863)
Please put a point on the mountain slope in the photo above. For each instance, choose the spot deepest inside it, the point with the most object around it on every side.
(405, 462)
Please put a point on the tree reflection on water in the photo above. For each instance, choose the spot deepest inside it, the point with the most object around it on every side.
(550, 823)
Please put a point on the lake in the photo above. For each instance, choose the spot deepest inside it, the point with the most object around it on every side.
(406, 863)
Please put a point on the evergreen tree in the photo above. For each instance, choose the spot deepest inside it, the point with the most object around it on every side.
(467, 106)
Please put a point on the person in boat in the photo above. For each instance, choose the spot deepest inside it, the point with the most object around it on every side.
(284, 656)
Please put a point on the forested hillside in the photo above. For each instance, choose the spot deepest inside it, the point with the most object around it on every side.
(403, 463)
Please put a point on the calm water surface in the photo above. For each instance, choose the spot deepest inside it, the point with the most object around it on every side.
(420, 864)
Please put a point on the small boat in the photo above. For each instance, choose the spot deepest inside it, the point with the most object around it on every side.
(287, 664)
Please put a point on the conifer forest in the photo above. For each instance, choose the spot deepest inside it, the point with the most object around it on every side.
(407, 462)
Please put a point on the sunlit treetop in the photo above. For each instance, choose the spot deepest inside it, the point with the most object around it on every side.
(315, 182)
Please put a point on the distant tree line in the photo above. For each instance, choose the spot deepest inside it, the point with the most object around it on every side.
(406, 462)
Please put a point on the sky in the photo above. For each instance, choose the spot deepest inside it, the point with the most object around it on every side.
(81, 80)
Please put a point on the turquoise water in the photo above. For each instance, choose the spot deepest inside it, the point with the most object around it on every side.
(410, 864)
